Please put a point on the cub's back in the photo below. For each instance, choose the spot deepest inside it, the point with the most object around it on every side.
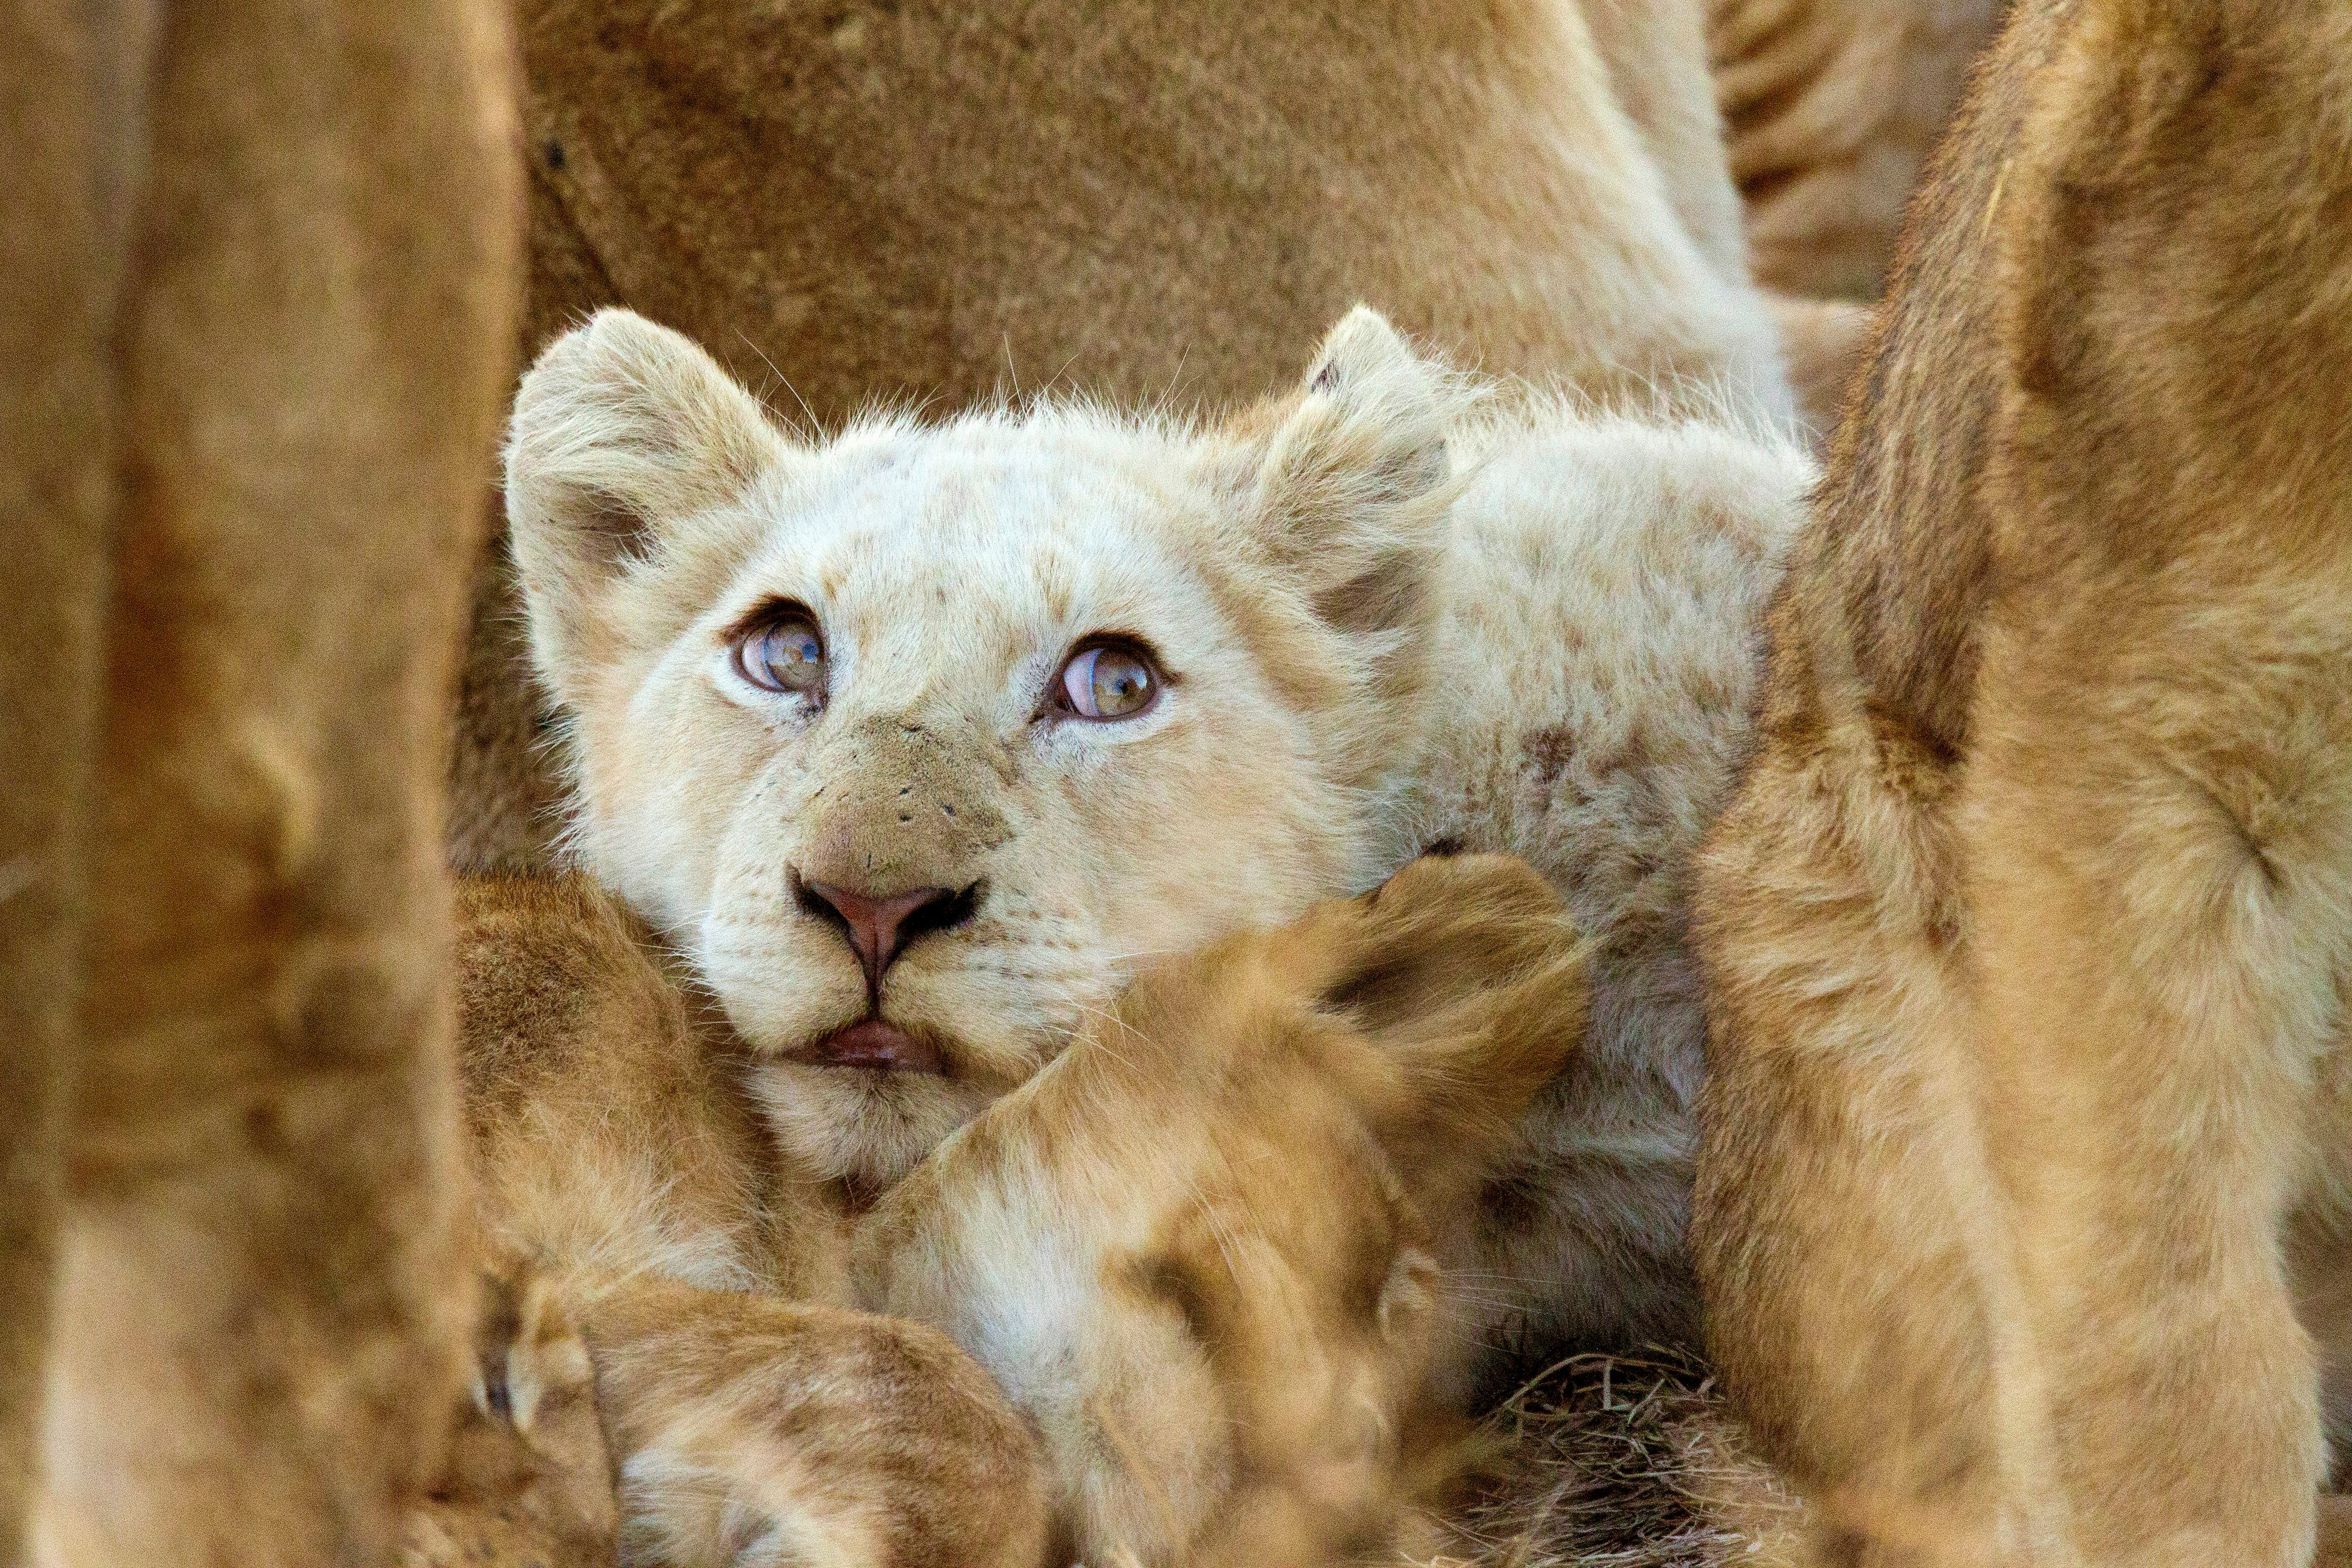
(1593, 669)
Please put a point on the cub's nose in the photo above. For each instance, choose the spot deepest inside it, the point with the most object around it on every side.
(880, 925)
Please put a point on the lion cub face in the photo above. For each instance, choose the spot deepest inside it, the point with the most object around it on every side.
(916, 741)
(1197, 1250)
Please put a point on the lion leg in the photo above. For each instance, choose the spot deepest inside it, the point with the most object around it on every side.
(2156, 828)
(755, 1432)
(257, 1326)
(1841, 1223)
(2160, 834)
(66, 71)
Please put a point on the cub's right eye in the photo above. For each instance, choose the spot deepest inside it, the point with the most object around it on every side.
(784, 653)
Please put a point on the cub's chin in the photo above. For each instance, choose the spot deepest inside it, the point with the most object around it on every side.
(868, 1126)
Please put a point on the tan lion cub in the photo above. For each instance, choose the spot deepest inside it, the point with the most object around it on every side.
(1197, 1249)
(2025, 1211)
(528, 1479)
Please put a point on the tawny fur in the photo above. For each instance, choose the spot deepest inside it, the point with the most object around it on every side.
(254, 338)
(938, 199)
(64, 231)
(1198, 1249)
(615, 1153)
(528, 1481)
(2024, 1203)
(1831, 108)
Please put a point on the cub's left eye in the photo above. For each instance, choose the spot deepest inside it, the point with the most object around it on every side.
(1107, 680)
(784, 654)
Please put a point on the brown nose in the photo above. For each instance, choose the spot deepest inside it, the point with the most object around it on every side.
(880, 925)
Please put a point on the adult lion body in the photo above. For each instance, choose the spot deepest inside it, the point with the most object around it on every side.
(2023, 1193)
(939, 200)
(1831, 108)
(255, 327)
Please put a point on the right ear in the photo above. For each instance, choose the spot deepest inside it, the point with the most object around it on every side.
(1348, 491)
(624, 433)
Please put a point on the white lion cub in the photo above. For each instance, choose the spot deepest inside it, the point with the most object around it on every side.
(916, 743)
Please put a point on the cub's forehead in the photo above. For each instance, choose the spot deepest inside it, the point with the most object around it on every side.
(1056, 520)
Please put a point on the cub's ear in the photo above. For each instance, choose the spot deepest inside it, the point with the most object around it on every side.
(1350, 480)
(1464, 975)
(622, 434)
(1341, 488)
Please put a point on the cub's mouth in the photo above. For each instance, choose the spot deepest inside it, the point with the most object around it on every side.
(876, 1045)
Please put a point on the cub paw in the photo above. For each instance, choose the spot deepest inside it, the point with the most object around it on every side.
(756, 1431)
(529, 1478)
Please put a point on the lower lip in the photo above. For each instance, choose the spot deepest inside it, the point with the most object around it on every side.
(876, 1047)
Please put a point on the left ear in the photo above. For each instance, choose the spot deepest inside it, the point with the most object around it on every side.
(624, 434)
(1350, 483)
(1342, 488)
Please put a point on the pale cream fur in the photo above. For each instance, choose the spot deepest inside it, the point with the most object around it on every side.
(1553, 605)
(1591, 670)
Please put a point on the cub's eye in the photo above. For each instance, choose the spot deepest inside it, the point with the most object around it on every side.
(1107, 680)
(783, 655)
